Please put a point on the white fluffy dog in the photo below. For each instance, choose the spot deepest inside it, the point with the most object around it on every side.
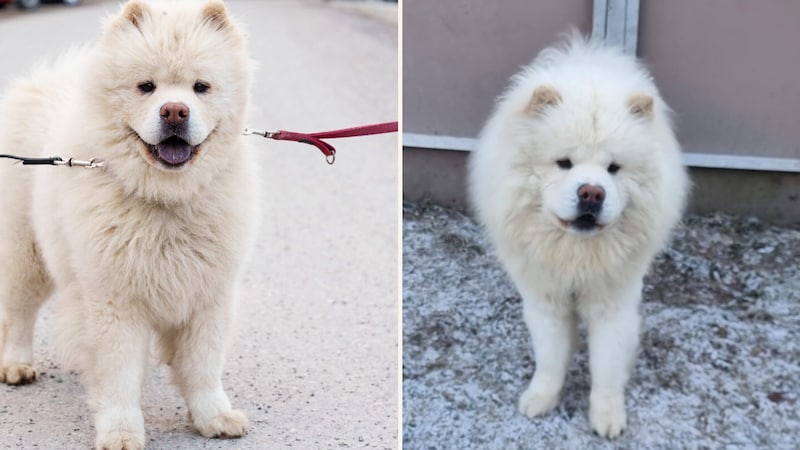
(150, 246)
(578, 180)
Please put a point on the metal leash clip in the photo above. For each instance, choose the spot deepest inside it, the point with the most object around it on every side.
(266, 134)
(72, 162)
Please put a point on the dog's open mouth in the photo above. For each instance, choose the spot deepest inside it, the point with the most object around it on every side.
(172, 152)
(584, 222)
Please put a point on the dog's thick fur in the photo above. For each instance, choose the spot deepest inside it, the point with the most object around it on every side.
(141, 250)
(578, 180)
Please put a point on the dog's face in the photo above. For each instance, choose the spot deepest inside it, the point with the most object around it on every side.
(172, 117)
(584, 196)
(588, 165)
(175, 77)
(171, 83)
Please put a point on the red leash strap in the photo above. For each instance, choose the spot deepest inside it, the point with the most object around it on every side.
(316, 139)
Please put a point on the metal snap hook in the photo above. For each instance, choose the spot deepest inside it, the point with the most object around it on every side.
(266, 134)
(72, 162)
(96, 162)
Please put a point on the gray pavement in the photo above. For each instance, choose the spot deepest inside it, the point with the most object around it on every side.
(315, 361)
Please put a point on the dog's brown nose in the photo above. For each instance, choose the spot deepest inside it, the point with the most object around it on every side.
(174, 113)
(591, 193)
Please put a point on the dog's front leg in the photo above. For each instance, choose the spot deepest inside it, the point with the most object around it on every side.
(197, 354)
(114, 380)
(553, 335)
(613, 329)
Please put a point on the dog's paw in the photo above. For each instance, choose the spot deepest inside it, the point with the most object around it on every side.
(607, 415)
(534, 403)
(119, 440)
(18, 374)
(231, 424)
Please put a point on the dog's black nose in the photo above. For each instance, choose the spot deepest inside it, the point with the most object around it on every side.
(590, 198)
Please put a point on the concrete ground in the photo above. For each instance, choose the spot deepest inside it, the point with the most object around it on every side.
(315, 360)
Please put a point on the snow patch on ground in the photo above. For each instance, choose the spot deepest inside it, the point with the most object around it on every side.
(719, 365)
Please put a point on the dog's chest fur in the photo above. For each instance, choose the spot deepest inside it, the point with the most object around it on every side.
(162, 262)
(171, 259)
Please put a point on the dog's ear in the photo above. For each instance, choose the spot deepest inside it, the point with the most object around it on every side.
(543, 97)
(214, 12)
(135, 11)
(641, 105)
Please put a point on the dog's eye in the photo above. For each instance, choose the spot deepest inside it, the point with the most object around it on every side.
(565, 163)
(201, 87)
(146, 87)
(613, 168)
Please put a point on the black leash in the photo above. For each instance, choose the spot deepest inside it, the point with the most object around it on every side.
(34, 161)
(55, 161)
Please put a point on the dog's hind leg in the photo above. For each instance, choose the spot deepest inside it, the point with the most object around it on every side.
(24, 286)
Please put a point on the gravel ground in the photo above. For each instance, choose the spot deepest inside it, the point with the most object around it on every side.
(719, 365)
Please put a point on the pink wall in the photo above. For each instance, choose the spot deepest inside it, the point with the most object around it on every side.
(458, 55)
(730, 69)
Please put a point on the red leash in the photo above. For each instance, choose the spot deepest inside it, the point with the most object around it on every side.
(316, 139)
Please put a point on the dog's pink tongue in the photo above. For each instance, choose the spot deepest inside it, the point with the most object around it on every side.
(174, 151)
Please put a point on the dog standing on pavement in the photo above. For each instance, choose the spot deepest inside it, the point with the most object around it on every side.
(151, 246)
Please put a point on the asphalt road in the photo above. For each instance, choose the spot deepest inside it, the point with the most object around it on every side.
(315, 360)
